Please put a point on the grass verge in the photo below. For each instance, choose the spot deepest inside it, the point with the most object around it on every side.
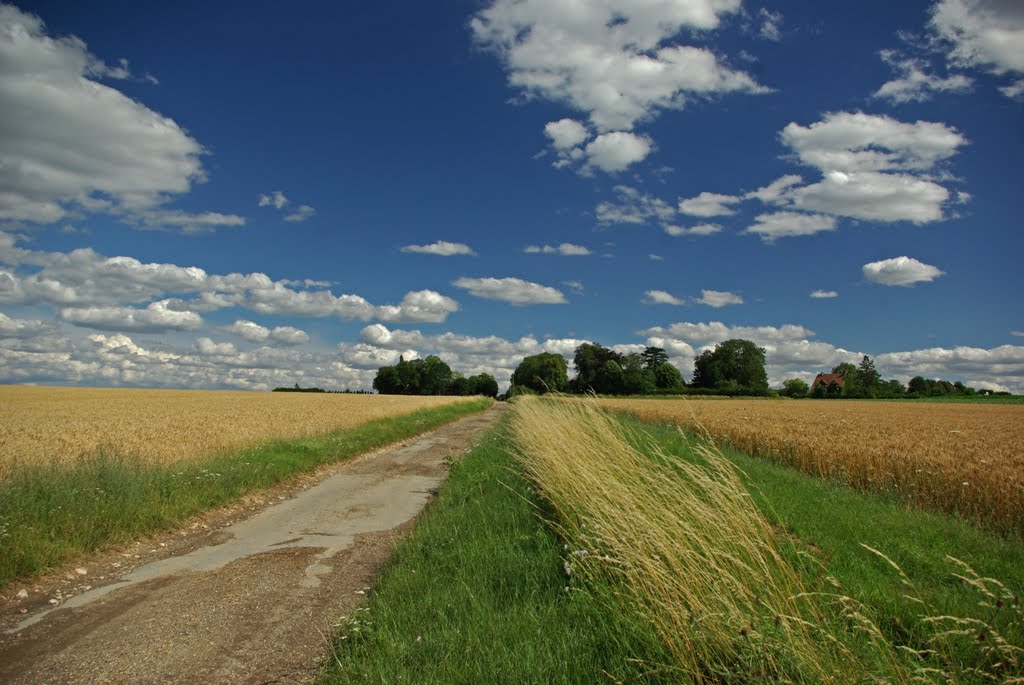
(478, 594)
(677, 542)
(51, 514)
(685, 577)
(836, 524)
(974, 399)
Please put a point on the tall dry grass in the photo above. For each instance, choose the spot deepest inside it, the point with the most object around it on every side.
(680, 546)
(684, 542)
(961, 458)
(55, 425)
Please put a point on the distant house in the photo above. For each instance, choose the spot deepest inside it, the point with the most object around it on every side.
(827, 379)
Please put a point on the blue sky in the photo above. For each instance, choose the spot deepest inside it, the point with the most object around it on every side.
(245, 195)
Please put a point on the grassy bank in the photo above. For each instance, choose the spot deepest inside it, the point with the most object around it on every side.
(679, 568)
(51, 514)
(834, 521)
(973, 399)
(478, 594)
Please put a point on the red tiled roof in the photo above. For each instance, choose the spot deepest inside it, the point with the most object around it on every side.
(828, 379)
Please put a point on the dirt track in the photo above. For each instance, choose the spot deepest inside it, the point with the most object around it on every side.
(251, 600)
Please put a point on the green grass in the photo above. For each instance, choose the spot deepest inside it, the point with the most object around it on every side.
(49, 515)
(477, 594)
(973, 399)
(833, 521)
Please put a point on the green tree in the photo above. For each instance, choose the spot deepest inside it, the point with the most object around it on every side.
(654, 357)
(637, 379)
(409, 375)
(542, 373)
(387, 381)
(868, 377)
(892, 388)
(844, 369)
(435, 376)
(918, 385)
(610, 379)
(851, 381)
(795, 387)
(591, 374)
(819, 391)
(460, 385)
(483, 384)
(667, 377)
(733, 366)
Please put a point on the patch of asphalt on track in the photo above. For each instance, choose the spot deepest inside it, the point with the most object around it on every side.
(259, 603)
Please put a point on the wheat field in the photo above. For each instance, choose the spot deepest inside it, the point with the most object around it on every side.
(961, 458)
(43, 425)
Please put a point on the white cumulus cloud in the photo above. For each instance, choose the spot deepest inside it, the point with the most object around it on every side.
(632, 206)
(512, 290)
(718, 298)
(566, 134)
(970, 37)
(206, 346)
(20, 328)
(709, 204)
(83, 278)
(564, 249)
(903, 271)
(696, 230)
(777, 191)
(787, 224)
(70, 143)
(874, 197)
(618, 63)
(300, 213)
(419, 306)
(289, 335)
(276, 199)
(987, 34)
(279, 201)
(1003, 365)
(873, 168)
(249, 330)
(661, 297)
(155, 318)
(914, 83)
(823, 294)
(854, 141)
(441, 248)
(617, 150)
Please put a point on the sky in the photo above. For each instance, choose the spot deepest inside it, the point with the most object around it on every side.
(249, 194)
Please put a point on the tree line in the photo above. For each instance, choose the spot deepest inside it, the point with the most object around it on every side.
(431, 376)
(733, 367)
(298, 388)
(864, 382)
(599, 369)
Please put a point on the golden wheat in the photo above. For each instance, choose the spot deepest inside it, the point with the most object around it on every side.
(961, 458)
(59, 425)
